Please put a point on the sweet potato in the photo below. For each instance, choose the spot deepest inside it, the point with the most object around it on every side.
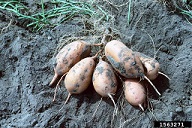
(135, 93)
(123, 60)
(151, 65)
(104, 79)
(79, 76)
(69, 56)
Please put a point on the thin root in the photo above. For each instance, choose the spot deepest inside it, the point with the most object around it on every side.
(99, 44)
(141, 107)
(5, 28)
(151, 110)
(69, 95)
(129, 120)
(57, 87)
(96, 109)
(164, 75)
(104, 40)
(95, 56)
(113, 102)
(152, 85)
(115, 109)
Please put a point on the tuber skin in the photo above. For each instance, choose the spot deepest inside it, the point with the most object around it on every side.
(135, 92)
(104, 79)
(123, 60)
(79, 76)
(69, 56)
(151, 65)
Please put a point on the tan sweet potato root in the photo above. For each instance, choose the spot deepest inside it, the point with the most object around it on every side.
(152, 66)
(104, 79)
(69, 56)
(79, 76)
(73, 61)
(123, 60)
(135, 93)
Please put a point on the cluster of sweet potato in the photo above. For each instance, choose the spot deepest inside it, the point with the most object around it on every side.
(79, 69)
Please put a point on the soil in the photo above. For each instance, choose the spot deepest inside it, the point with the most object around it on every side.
(26, 68)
